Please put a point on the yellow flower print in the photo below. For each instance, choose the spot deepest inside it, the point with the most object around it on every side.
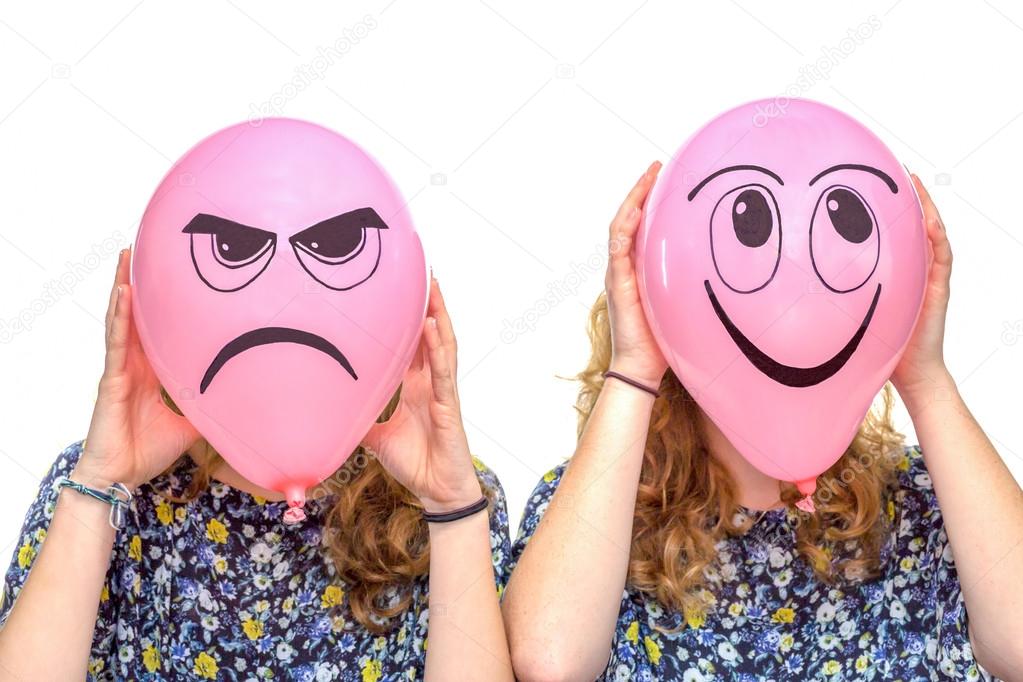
(831, 667)
(40, 534)
(784, 615)
(25, 555)
(96, 666)
(164, 513)
(179, 514)
(379, 643)
(786, 642)
(907, 563)
(478, 464)
(891, 510)
(903, 463)
(632, 634)
(735, 609)
(216, 531)
(205, 666)
(259, 500)
(253, 628)
(105, 594)
(262, 605)
(288, 604)
(861, 664)
(151, 658)
(653, 651)
(371, 670)
(220, 564)
(695, 618)
(332, 596)
(549, 476)
(135, 548)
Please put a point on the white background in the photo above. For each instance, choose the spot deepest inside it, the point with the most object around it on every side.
(514, 129)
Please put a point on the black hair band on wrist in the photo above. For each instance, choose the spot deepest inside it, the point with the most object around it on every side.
(456, 514)
(632, 382)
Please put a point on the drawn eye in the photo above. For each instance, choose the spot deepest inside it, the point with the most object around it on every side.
(341, 252)
(228, 255)
(844, 240)
(745, 235)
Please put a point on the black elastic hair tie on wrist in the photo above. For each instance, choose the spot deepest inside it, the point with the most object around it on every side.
(456, 514)
(632, 382)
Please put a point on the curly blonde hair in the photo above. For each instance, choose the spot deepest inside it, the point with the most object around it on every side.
(374, 533)
(686, 500)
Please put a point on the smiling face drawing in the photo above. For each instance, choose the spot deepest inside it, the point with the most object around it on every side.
(751, 213)
(782, 262)
(280, 289)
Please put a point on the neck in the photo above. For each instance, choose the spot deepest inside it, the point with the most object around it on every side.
(754, 489)
(225, 473)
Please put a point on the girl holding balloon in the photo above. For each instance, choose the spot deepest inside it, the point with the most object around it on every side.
(186, 568)
(659, 552)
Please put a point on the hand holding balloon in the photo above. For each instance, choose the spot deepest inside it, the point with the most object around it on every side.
(133, 436)
(922, 367)
(423, 444)
(634, 351)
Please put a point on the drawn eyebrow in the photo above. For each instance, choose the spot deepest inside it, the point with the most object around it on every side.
(860, 167)
(360, 217)
(204, 223)
(729, 170)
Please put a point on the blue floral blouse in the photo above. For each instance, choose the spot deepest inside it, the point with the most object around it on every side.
(773, 620)
(220, 589)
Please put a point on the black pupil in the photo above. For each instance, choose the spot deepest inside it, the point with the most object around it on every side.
(751, 218)
(332, 241)
(239, 243)
(849, 215)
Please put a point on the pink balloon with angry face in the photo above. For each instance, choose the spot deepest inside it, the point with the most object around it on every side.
(782, 264)
(280, 293)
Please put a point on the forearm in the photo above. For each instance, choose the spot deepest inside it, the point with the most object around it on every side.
(564, 596)
(466, 635)
(49, 632)
(982, 508)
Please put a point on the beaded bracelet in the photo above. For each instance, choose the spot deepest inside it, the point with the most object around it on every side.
(117, 496)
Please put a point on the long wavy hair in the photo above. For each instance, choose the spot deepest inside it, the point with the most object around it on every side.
(374, 532)
(686, 501)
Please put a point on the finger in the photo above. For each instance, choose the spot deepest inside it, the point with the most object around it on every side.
(121, 258)
(118, 331)
(440, 313)
(638, 194)
(626, 223)
(441, 376)
(926, 202)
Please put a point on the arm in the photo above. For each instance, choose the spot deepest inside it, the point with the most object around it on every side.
(423, 445)
(133, 436)
(563, 599)
(981, 503)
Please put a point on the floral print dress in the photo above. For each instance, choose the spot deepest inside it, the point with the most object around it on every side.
(220, 589)
(773, 620)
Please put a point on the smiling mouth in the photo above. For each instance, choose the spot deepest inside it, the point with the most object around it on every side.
(265, 335)
(797, 377)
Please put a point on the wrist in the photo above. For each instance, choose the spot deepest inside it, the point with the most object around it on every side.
(932, 386)
(463, 496)
(647, 376)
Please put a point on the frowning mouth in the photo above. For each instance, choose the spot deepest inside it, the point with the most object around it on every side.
(265, 335)
(797, 377)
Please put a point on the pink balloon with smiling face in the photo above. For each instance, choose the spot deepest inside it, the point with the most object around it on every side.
(782, 264)
(280, 290)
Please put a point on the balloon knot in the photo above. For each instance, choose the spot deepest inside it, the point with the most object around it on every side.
(806, 504)
(294, 515)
